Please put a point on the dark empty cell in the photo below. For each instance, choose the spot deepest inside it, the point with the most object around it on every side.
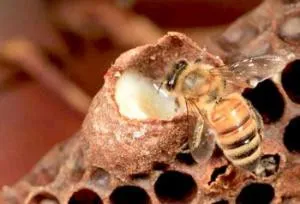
(217, 172)
(258, 193)
(85, 196)
(139, 176)
(267, 100)
(129, 195)
(222, 201)
(290, 79)
(44, 197)
(291, 136)
(159, 166)
(185, 158)
(174, 186)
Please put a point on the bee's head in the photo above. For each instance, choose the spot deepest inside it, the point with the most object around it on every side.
(193, 80)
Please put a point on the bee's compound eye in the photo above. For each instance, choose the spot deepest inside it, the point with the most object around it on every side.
(182, 64)
(170, 83)
(169, 86)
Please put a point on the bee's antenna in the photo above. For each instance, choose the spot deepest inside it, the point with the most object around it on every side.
(198, 110)
(187, 114)
(160, 85)
(185, 148)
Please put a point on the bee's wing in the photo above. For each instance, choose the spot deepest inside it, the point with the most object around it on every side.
(202, 142)
(249, 72)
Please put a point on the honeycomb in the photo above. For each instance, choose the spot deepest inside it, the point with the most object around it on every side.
(103, 164)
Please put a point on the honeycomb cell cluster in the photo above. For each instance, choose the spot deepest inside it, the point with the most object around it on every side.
(117, 160)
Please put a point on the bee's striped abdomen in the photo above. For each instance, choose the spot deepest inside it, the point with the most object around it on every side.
(237, 130)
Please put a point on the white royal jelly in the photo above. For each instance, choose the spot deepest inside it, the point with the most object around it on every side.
(139, 98)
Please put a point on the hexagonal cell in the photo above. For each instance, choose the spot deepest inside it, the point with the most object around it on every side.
(267, 100)
(288, 184)
(291, 135)
(77, 165)
(289, 30)
(256, 193)
(99, 177)
(185, 158)
(175, 187)
(290, 80)
(237, 36)
(129, 195)
(217, 172)
(268, 165)
(48, 168)
(43, 176)
(222, 201)
(85, 196)
(43, 198)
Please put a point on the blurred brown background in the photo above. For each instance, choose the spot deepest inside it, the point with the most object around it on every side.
(33, 116)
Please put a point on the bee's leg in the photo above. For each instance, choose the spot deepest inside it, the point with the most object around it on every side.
(184, 149)
(218, 100)
(194, 140)
(219, 97)
(201, 143)
(213, 96)
(258, 118)
(260, 122)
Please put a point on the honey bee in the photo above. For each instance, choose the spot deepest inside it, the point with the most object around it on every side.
(224, 117)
